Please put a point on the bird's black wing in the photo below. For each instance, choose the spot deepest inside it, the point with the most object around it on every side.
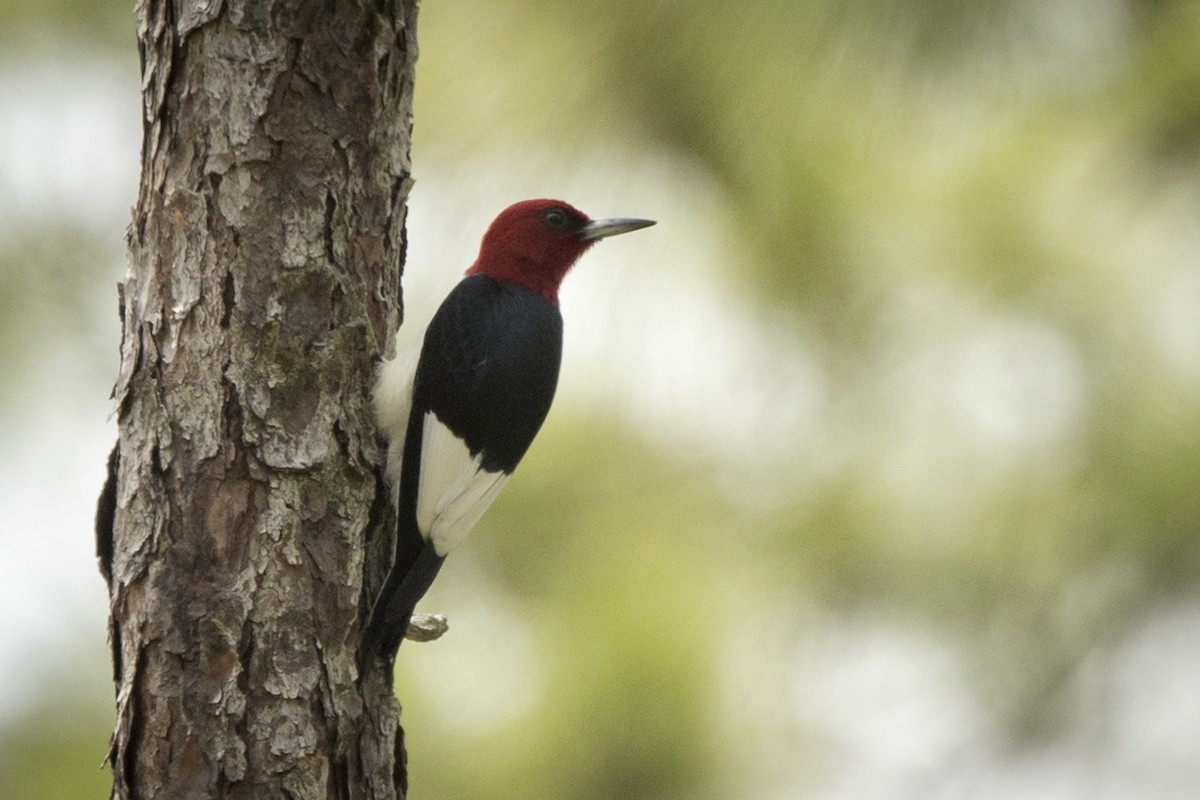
(483, 386)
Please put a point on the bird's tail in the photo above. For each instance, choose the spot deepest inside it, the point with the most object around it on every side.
(394, 606)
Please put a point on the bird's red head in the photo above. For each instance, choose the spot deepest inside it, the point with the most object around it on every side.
(534, 243)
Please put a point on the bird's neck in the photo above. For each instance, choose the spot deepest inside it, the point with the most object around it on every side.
(538, 279)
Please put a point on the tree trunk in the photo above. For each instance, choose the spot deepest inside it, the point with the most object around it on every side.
(247, 529)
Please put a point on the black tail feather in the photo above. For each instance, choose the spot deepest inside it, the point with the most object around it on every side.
(394, 607)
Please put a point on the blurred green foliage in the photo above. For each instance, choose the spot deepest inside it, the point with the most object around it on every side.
(979, 218)
(56, 751)
(102, 25)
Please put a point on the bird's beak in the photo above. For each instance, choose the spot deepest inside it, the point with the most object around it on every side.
(599, 228)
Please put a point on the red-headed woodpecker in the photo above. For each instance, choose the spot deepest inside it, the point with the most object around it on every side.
(461, 410)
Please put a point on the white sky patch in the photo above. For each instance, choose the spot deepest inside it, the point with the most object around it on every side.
(69, 141)
(1157, 696)
(487, 672)
(52, 598)
(1001, 385)
(959, 395)
(1178, 313)
(885, 708)
(663, 342)
(889, 696)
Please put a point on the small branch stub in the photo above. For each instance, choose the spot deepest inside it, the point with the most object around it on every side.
(426, 627)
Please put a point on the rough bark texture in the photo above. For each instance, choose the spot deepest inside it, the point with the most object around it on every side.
(265, 249)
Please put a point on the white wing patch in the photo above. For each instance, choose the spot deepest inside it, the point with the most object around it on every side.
(454, 491)
(393, 403)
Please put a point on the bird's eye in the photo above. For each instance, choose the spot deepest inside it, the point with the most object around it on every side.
(556, 218)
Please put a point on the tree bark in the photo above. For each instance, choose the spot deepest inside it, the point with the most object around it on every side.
(247, 529)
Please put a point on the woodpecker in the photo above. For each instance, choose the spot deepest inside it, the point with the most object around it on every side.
(460, 410)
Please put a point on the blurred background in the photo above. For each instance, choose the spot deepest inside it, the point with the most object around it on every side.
(873, 471)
